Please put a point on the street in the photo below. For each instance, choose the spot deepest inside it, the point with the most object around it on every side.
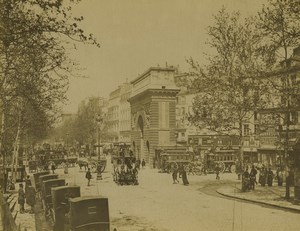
(158, 204)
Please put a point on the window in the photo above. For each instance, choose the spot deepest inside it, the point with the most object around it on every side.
(256, 129)
(246, 142)
(246, 130)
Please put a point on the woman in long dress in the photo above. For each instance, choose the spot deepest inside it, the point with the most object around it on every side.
(184, 177)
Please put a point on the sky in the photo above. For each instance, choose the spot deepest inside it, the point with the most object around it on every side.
(138, 34)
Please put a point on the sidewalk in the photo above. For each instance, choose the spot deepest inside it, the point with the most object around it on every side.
(273, 196)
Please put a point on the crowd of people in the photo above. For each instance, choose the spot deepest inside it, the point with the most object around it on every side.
(265, 177)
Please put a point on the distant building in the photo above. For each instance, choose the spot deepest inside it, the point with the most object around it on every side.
(113, 112)
(125, 113)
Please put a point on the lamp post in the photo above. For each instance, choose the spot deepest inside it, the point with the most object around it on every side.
(99, 121)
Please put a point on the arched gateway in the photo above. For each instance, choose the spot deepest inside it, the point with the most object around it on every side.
(153, 103)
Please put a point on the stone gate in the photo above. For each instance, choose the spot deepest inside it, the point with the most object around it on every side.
(153, 112)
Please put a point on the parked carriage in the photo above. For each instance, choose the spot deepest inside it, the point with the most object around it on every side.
(64, 207)
(89, 213)
(46, 194)
(61, 207)
(36, 179)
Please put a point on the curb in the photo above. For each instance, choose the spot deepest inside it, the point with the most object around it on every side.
(260, 202)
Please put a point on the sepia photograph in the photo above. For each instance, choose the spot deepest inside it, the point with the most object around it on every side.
(149, 115)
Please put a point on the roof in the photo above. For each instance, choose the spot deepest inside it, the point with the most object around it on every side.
(146, 73)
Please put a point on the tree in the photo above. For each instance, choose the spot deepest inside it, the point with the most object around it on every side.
(34, 67)
(229, 86)
(280, 25)
(82, 128)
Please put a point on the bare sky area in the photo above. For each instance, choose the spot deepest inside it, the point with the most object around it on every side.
(137, 34)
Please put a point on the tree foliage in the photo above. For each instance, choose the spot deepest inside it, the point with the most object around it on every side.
(34, 66)
(82, 127)
(229, 86)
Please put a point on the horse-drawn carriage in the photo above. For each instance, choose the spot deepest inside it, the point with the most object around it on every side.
(125, 165)
(224, 159)
(174, 157)
(59, 158)
(170, 161)
(98, 165)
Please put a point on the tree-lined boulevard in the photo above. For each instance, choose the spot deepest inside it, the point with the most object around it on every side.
(243, 96)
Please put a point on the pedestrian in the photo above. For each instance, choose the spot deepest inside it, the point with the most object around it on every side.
(21, 198)
(253, 173)
(27, 184)
(184, 177)
(88, 176)
(143, 163)
(30, 198)
(246, 180)
(270, 177)
(138, 164)
(262, 176)
(279, 174)
(174, 175)
(66, 168)
(53, 167)
(217, 169)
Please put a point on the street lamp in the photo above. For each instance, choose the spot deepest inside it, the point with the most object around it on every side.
(99, 121)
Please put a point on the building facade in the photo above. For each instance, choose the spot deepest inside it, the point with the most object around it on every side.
(113, 112)
(153, 108)
(125, 113)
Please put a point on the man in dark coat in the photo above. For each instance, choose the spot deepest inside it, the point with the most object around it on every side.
(270, 177)
(21, 198)
(174, 175)
(88, 176)
(253, 173)
(262, 176)
(245, 180)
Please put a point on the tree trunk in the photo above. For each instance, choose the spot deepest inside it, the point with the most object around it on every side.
(16, 147)
(2, 135)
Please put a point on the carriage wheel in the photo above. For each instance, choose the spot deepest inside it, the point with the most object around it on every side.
(222, 167)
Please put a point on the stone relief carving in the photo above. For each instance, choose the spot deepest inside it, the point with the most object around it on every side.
(133, 120)
(147, 115)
